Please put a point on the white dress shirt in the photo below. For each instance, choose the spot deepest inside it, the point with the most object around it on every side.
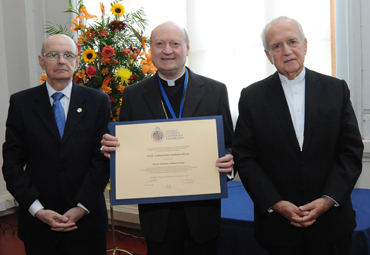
(294, 91)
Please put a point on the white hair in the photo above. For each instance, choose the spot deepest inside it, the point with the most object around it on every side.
(264, 31)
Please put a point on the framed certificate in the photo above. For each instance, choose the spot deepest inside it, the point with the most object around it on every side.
(167, 160)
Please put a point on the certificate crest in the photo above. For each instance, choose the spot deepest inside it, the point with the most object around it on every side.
(157, 135)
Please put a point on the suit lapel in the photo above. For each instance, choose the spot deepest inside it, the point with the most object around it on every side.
(279, 104)
(44, 111)
(151, 95)
(194, 95)
(77, 109)
(312, 102)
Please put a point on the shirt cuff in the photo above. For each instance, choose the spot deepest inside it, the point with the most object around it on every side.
(335, 202)
(35, 207)
(231, 175)
(83, 207)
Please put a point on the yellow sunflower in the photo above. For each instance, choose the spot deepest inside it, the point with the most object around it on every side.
(118, 9)
(124, 74)
(89, 55)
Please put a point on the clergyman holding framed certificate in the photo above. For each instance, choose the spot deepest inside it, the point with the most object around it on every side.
(167, 160)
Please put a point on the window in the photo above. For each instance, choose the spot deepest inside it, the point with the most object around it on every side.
(225, 41)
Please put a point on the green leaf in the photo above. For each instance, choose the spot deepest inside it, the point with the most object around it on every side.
(52, 29)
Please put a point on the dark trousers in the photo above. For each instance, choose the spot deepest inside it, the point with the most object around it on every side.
(96, 247)
(312, 247)
(178, 239)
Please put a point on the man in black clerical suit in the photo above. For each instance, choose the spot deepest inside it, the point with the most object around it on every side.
(182, 227)
(52, 163)
(298, 151)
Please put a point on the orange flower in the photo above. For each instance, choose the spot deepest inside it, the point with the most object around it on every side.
(80, 39)
(81, 74)
(148, 55)
(80, 26)
(77, 79)
(118, 111)
(147, 65)
(90, 35)
(145, 69)
(84, 11)
(143, 39)
(106, 61)
(121, 88)
(43, 77)
(104, 71)
(106, 81)
(102, 7)
(107, 90)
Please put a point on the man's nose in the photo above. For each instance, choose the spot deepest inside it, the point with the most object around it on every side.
(61, 59)
(167, 49)
(286, 49)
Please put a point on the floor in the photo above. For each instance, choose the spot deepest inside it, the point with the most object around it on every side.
(130, 240)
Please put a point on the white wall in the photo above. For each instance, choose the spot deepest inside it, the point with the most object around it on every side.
(353, 65)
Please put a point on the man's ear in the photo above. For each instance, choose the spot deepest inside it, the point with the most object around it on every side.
(41, 62)
(187, 48)
(269, 57)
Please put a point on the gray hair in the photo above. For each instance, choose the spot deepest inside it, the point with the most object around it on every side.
(264, 31)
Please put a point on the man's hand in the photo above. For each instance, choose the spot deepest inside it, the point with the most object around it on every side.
(109, 144)
(315, 209)
(56, 221)
(291, 212)
(225, 164)
(73, 215)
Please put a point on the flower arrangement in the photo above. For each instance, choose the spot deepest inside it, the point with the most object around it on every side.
(113, 51)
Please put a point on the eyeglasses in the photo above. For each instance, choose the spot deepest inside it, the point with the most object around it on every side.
(54, 56)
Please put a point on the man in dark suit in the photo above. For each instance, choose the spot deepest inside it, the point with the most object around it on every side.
(183, 227)
(298, 151)
(55, 171)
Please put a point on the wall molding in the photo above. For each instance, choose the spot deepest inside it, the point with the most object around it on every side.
(7, 202)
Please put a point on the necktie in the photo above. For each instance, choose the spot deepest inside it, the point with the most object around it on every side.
(59, 112)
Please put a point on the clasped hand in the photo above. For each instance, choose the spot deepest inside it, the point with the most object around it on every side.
(305, 215)
(61, 223)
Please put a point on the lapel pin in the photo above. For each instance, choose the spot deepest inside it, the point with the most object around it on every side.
(79, 110)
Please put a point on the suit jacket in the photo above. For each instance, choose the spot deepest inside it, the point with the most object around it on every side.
(272, 167)
(204, 97)
(38, 164)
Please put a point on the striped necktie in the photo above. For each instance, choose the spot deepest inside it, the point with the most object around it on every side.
(59, 112)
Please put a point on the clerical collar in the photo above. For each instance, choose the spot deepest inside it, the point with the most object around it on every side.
(171, 82)
(296, 80)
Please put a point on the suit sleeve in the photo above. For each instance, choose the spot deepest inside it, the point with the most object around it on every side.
(348, 161)
(98, 174)
(258, 185)
(15, 155)
(227, 122)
